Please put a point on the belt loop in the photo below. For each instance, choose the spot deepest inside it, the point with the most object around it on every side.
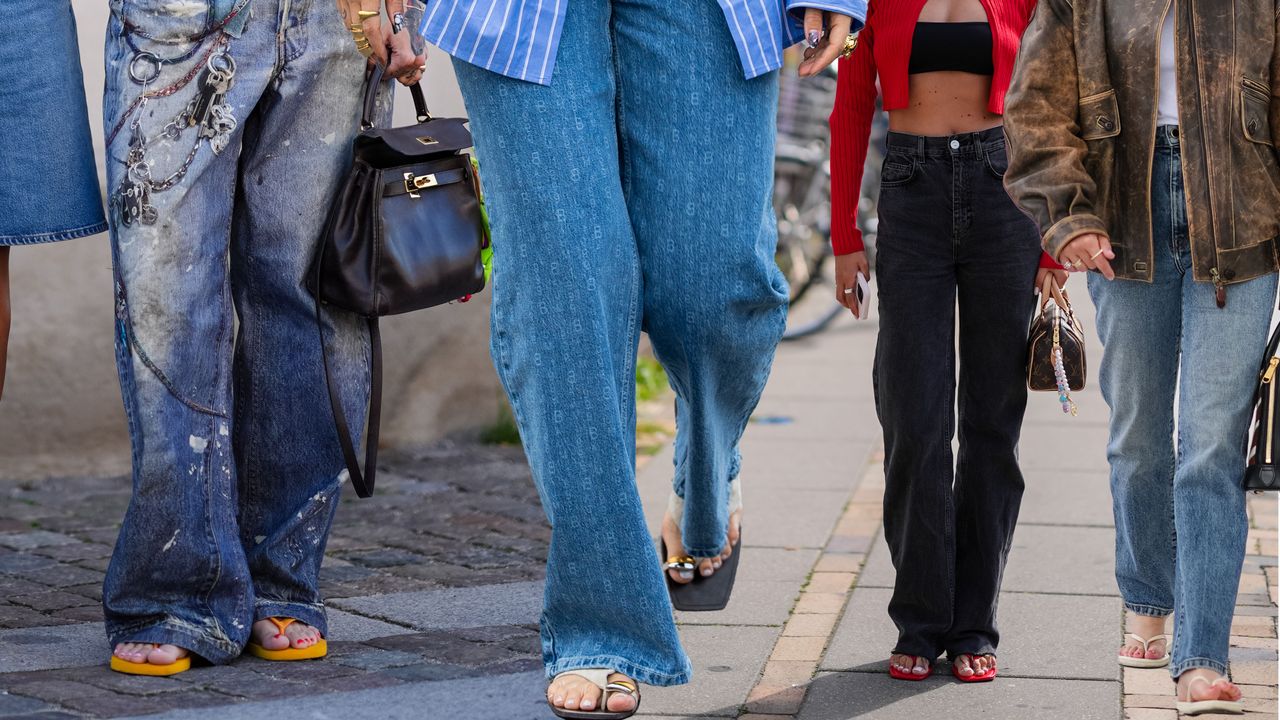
(920, 148)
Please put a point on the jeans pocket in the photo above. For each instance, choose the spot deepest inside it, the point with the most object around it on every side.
(997, 161)
(164, 21)
(897, 171)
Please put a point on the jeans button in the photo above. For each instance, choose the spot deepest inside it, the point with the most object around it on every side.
(1174, 131)
(955, 144)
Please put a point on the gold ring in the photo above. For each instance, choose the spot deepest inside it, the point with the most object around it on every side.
(850, 44)
(366, 14)
(1100, 251)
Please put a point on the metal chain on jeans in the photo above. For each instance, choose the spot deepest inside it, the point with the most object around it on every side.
(207, 112)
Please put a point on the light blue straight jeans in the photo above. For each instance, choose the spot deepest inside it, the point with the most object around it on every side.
(1179, 510)
(633, 193)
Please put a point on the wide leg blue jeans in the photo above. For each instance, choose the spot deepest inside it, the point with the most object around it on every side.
(215, 219)
(633, 193)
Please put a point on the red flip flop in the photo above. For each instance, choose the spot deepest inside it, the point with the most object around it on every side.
(987, 676)
(897, 674)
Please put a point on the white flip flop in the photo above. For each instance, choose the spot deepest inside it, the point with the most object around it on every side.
(1196, 707)
(1145, 662)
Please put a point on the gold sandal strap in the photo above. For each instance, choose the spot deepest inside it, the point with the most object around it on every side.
(621, 686)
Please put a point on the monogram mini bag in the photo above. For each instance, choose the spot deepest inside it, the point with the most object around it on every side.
(1055, 347)
(404, 233)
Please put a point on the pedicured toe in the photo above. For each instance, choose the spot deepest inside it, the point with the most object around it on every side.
(165, 655)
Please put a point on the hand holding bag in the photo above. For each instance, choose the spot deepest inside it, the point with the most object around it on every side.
(1262, 472)
(404, 233)
(1055, 348)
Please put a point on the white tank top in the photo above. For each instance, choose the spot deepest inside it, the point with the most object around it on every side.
(1167, 109)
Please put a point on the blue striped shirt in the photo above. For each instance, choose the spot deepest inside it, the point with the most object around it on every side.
(518, 38)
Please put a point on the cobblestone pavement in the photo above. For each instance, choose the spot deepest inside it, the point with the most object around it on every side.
(453, 518)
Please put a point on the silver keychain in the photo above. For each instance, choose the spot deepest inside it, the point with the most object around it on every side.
(209, 111)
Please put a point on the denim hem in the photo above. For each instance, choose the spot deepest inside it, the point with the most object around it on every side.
(1176, 669)
(614, 663)
(930, 655)
(1148, 610)
(978, 648)
(172, 631)
(309, 613)
(55, 236)
(704, 553)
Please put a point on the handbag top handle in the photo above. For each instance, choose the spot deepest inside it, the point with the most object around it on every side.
(1050, 289)
(372, 79)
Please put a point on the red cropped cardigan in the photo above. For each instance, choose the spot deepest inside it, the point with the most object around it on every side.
(884, 50)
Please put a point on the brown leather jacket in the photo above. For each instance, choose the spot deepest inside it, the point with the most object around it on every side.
(1080, 119)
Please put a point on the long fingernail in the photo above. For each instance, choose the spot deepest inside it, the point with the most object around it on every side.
(813, 38)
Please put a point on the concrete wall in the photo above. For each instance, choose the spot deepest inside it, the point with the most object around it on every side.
(61, 413)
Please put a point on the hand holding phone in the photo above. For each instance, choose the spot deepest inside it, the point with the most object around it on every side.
(862, 291)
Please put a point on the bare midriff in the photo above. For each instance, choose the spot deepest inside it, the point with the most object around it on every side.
(945, 103)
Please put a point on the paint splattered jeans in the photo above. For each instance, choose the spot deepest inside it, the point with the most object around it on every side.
(223, 153)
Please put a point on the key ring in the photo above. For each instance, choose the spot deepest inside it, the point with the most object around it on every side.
(144, 68)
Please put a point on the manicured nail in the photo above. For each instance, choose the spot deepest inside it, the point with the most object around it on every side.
(813, 38)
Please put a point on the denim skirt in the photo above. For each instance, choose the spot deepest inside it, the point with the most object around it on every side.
(48, 182)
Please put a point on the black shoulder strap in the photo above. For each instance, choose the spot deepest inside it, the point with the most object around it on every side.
(361, 481)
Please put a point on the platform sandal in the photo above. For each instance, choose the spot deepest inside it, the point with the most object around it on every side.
(702, 594)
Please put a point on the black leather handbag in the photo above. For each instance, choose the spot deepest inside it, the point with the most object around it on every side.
(1055, 348)
(404, 233)
(1262, 473)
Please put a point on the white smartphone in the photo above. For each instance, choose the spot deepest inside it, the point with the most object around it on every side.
(862, 291)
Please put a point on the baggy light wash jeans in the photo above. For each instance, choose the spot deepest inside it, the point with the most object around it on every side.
(236, 469)
(1179, 510)
(632, 193)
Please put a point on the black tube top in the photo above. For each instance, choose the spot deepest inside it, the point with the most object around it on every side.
(955, 46)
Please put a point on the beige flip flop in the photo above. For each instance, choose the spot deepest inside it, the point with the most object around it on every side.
(600, 678)
(1145, 662)
(1196, 707)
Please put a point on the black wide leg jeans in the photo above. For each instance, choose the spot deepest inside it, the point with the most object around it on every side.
(948, 232)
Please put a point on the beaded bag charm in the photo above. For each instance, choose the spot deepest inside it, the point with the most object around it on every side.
(1059, 371)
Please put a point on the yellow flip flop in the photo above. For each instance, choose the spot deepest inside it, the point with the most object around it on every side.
(121, 665)
(319, 650)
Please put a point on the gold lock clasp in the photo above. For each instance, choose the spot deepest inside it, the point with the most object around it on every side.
(413, 183)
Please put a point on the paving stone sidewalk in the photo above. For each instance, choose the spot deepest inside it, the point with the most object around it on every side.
(435, 587)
